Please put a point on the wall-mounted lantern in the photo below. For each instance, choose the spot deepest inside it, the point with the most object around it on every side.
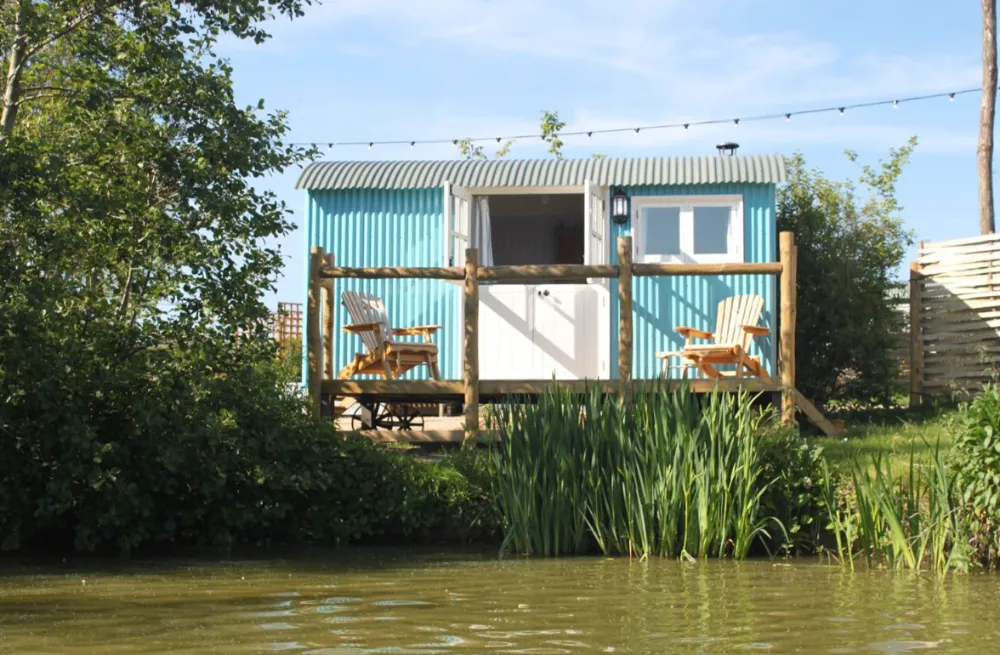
(619, 207)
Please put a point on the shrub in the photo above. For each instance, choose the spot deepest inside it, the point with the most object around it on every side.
(792, 466)
(214, 460)
(976, 461)
(849, 248)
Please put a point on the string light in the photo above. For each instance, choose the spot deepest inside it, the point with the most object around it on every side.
(951, 95)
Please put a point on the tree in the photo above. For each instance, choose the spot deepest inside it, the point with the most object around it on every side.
(987, 114)
(133, 245)
(849, 249)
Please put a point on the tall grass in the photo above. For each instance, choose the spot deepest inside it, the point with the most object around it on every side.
(667, 474)
(908, 521)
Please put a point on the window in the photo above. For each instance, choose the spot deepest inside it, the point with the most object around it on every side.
(702, 229)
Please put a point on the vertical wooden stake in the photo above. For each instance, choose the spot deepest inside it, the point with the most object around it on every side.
(624, 316)
(471, 369)
(328, 309)
(916, 338)
(786, 344)
(314, 337)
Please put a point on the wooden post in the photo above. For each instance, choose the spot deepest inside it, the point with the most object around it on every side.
(786, 345)
(314, 337)
(471, 368)
(624, 315)
(328, 309)
(916, 338)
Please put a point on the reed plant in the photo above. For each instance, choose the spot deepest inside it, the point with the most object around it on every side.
(665, 473)
(910, 521)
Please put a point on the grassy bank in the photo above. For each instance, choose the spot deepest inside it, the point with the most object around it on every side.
(892, 434)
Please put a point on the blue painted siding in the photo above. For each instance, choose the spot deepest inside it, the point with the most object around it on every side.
(368, 227)
(662, 303)
(371, 227)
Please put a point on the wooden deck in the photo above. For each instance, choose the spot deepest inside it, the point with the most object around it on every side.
(471, 390)
(446, 391)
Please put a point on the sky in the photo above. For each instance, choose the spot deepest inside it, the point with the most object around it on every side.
(369, 70)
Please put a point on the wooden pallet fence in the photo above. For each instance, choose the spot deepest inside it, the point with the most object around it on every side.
(954, 316)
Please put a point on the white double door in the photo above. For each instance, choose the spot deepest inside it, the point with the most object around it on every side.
(543, 331)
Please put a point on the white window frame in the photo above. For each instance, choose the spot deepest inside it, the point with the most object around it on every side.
(687, 204)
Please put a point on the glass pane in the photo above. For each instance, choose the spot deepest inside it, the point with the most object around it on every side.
(663, 230)
(711, 230)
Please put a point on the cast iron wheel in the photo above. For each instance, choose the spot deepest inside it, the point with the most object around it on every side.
(382, 419)
(408, 418)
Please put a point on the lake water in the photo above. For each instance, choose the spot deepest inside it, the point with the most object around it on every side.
(391, 601)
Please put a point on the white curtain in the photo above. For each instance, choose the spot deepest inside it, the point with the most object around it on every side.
(482, 232)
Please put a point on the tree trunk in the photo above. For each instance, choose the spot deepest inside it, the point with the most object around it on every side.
(15, 67)
(987, 224)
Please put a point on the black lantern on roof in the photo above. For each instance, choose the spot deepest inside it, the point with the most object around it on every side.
(619, 207)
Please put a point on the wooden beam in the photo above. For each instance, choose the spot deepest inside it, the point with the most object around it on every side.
(329, 306)
(807, 407)
(392, 273)
(527, 273)
(471, 367)
(422, 436)
(916, 342)
(648, 270)
(314, 336)
(625, 314)
(455, 389)
(786, 344)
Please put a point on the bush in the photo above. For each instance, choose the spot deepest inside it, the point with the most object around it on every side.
(848, 249)
(794, 498)
(976, 461)
(188, 457)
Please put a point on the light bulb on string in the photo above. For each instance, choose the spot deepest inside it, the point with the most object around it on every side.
(951, 97)
(371, 145)
(413, 144)
(841, 111)
(736, 122)
(687, 125)
(788, 118)
(895, 104)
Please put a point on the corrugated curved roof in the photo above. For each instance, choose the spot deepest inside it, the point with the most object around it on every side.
(748, 169)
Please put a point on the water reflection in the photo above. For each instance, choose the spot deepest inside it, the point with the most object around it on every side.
(392, 602)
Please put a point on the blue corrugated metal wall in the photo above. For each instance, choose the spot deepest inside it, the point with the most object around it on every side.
(368, 227)
(662, 303)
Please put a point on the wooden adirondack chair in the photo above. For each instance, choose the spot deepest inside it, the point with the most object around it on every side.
(735, 327)
(387, 355)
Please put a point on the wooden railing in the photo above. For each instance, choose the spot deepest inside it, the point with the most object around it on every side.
(322, 271)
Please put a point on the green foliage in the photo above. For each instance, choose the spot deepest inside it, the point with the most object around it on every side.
(976, 461)
(141, 400)
(902, 522)
(467, 149)
(666, 475)
(849, 248)
(551, 126)
(792, 466)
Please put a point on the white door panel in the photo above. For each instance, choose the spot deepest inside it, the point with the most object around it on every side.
(505, 347)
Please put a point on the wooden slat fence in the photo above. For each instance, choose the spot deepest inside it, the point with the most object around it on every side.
(955, 316)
